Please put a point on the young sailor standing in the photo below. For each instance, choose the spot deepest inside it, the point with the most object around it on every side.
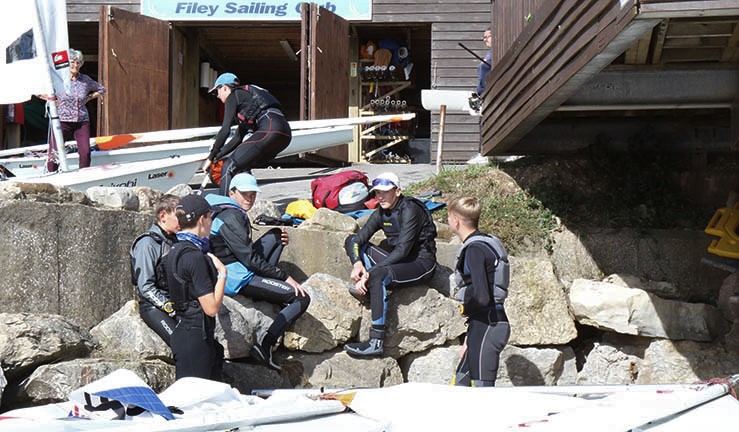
(252, 108)
(482, 273)
(196, 280)
(155, 307)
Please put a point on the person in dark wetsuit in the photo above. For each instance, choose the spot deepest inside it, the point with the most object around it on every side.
(251, 108)
(252, 265)
(196, 280)
(482, 275)
(155, 306)
(407, 256)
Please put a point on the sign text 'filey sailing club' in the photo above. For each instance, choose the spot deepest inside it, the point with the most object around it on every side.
(250, 10)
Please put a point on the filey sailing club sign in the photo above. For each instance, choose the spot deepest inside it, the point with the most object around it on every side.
(249, 10)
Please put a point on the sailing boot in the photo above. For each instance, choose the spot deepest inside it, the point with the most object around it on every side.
(262, 352)
(373, 347)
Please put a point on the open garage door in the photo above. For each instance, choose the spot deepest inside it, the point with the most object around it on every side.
(324, 69)
(134, 68)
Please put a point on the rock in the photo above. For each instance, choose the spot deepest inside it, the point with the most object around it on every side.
(336, 369)
(729, 288)
(246, 377)
(124, 335)
(665, 290)
(3, 383)
(240, 323)
(329, 220)
(635, 312)
(536, 305)
(418, 318)
(314, 251)
(73, 260)
(436, 365)
(263, 207)
(684, 362)
(571, 258)
(121, 198)
(30, 340)
(443, 232)
(54, 382)
(41, 192)
(536, 366)
(332, 318)
(611, 364)
(731, 340)
(148, 198)
(180, 190)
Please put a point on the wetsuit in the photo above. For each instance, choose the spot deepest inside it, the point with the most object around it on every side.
(190, 275)
(407, 256)
(252, 266)
(251, 108)
(151, 287)
(488, 329)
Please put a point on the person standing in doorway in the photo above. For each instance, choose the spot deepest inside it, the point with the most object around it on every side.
(483, 70)
(251, 108)
(482, 276)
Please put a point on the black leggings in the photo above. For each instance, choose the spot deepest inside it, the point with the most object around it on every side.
(485, 341)
(196, 351)
(158, 321)
(273, 135)
(269, 247)
(395, 275)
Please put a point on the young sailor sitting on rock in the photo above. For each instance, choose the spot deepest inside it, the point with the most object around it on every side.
(196, 280)
(482, 275)
(147, 273)
(407, 256)
(252, 265)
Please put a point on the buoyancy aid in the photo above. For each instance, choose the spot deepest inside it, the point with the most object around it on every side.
(165, 245)
(261, 101)
(502, 277)
(179, 288)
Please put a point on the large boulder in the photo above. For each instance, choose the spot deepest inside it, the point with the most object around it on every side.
(40, 192)
(536, 366)
(62, 268)
(124, 335)
(685, 362)
(241, 322)
(30, 340)
(54, 382)
(315, 251)
(665, 290)
(635, 312)
(436, 365)
(418, 318)
(121, 198)
(612, 363)
(572, 259)
(332, 318)
(729, 288)
(246, 377)
(537, 305)
(336, 369)
(329, 220)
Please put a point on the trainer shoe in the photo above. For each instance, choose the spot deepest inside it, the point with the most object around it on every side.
(264, 356)
(478, 159)
(372, 347)
(363, 298)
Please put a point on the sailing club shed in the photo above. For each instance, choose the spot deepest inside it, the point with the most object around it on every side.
(156, 67)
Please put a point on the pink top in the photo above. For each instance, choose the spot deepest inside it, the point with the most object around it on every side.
(72, 103)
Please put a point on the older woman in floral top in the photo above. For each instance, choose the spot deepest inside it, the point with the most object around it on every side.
(73, 114)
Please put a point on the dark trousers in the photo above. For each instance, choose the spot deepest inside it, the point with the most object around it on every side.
(485, 341)
(157, 320)
(80, 132)
(271, 137)
(396, 275)
(196, 351)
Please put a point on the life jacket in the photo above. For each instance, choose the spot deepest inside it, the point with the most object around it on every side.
(391, 225)
(164, 248)
(261, 101)
(502, 278)
(179, 287)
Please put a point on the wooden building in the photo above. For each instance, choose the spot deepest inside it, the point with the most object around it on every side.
(635, 74)
(152, 67)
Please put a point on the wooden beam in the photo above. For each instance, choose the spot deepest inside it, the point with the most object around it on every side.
(660, 41)
(639, 52)
(732, 47)
(687, 9)
(735, 124)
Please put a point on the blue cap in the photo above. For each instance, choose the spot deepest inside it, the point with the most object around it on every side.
(225, 78)
(244, 183)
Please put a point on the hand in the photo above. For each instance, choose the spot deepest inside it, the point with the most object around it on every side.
(299, 290)
(361, 285)
(206, 165)
(218, 264)
(285, 237)
(358, 271)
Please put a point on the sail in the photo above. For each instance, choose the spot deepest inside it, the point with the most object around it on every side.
(23, 69)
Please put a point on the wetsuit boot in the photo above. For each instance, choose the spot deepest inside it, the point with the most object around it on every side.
(262, 352)
(373, 347)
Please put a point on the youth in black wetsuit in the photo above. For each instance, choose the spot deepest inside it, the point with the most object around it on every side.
(251, 108)
(406, 257)
(483, 277)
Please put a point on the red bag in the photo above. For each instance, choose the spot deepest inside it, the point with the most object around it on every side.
(325, 190)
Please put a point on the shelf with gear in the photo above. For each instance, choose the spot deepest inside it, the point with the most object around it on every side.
(383, 79)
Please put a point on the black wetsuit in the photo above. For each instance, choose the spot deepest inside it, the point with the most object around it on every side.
(231, 242)
(190, 275)
(251, 108)
(146, 253)
(488, 329)
(407, 256)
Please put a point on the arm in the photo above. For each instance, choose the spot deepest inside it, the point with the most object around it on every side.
(146, 253)
(236, 234)
(354, 243)
(228, 116)
(411, 219)
(478, 297)
(210, 297)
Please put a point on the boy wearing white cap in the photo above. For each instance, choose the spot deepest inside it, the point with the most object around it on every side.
(252, 265)
(407, 256)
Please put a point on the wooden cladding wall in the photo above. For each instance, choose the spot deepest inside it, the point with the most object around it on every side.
(564, 43)
(509, 19)
(452, 68)
(89, 10)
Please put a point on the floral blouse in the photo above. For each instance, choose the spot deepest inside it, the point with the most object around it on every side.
(72, 103)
